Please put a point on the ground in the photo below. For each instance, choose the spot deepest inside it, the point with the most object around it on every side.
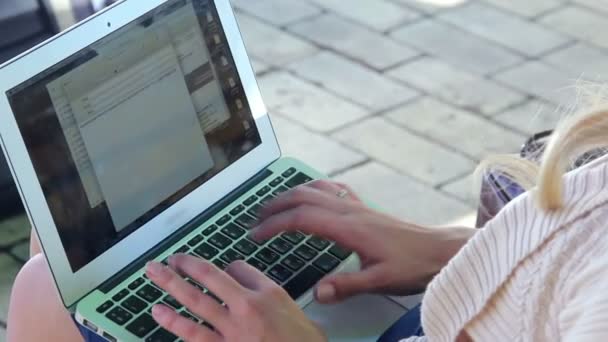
(401, 98)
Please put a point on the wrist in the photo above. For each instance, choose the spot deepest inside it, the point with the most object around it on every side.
(448, 242)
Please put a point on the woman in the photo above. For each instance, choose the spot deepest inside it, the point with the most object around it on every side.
(538, 271)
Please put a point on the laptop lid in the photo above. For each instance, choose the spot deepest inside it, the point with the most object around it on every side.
(126, 127)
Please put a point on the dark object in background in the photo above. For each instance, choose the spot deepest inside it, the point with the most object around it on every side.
(24, 24)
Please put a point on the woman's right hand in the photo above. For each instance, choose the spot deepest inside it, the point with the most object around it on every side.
(396, 258)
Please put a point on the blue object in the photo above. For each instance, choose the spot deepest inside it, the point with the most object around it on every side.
(88, 335)
(407, 326)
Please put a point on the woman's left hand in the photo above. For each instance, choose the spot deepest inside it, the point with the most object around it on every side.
(256, 309)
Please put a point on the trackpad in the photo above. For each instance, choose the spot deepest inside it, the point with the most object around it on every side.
(363, 318)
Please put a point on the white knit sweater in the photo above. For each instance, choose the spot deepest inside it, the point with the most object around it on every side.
(529, 275)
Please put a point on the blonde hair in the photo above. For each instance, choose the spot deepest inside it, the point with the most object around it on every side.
(582, 131)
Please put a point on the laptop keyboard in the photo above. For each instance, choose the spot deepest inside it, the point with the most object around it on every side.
(294, 260)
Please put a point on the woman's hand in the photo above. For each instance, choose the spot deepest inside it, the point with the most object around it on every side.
(256, 308)
(397, 258)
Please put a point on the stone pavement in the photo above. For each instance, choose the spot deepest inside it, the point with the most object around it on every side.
(401, 98)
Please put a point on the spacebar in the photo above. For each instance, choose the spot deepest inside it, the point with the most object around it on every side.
(303, 282)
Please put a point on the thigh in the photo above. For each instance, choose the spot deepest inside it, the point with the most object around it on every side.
(36, 312)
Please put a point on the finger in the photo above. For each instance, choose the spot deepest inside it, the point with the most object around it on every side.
(207, 274)
(248, 276)
(340, 286)
(183, 327)
(351, 193)
(311, 220)
(195, 300)
(304, 195)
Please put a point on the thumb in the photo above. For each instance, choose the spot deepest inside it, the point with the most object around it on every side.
(340, 286)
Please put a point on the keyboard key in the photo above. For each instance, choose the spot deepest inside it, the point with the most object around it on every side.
(149, 293)
(220, 264)
(276, 182)
(231, 256)
(318, 243)
(170, 300)
(294, 237)
(251, 200)
(120, 295)
(119, 315)
(182, 250)
(209, 230)
(280, 272)
(195, 241)
(263, 191)
(340, 252)
(220, 241)
(266, 199)
(255, 211)
(257, 264)
(289, 172)
(326, 263)
(142, 325)
(223, 220)
(293, 262)
(246, 247)
(161, 335)
(136, 283)
(303, 282)
(237, 210)
(134, 304)
(206, 251)
(233, 231)
(280, 245)
(105, 306)
(246, 221)
(298, 179)
(306, 252)
(267, 256)
(280, 190)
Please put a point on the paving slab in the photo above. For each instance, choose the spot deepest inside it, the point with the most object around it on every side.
(531, 117)
(404, 151)
(13, 230)
(584, 60)
(429, 7)
(601, 5)
(355, 41)
(474, 136)
(464, 189)
(9, 268)
(270, 44)
(456, 86)
(528, 8)
(527, 38)
(277, 12)
(579, 22)
(459, 48)
(353, 81)
(306, 103)
(379, 15)
(402, 197)
(324, 154)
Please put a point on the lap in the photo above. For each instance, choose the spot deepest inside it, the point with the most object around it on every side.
(36, 312)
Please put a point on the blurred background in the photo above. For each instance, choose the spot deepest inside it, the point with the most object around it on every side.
(399, 98)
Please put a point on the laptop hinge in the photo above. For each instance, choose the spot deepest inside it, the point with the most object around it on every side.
(182, 232)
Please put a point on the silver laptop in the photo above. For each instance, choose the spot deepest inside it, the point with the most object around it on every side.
(141, 133)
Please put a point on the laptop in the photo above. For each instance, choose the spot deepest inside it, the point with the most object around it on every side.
(141, 133)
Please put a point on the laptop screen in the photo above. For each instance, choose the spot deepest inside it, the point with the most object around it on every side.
(133, 123)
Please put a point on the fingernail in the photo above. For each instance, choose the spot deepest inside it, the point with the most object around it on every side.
(155, 269)
(160, 312)
(326, 292)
